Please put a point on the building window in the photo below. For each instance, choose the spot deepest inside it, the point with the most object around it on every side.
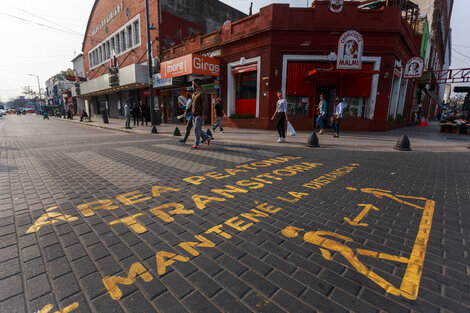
(112, 47)
(123, 40)
(353, 107)
(297, 105)
(108, 50)
(136, 33)
(90, 61)
(129, 36)
(118, 44)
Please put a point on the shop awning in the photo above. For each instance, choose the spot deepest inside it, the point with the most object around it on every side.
(328, 72)
(245, 68)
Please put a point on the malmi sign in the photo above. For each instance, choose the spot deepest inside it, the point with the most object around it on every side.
(350, 49)
(190, 64)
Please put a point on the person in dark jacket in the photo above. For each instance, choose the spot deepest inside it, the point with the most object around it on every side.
(136, 113)
(144, 111)
(197, 107)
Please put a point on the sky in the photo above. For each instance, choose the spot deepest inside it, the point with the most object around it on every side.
(41, 37)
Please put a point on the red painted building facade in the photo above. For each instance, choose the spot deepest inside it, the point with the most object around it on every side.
(295, 50)
(115, 45)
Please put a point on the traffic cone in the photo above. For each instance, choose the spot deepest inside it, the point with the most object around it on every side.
(176, 132)
(209, 133)
(313, 140)
(403, 144)
(426, 122)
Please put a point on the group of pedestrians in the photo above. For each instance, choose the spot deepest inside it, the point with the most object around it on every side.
(138, 112)
(194, 102)
(193, 111)
(335, 119)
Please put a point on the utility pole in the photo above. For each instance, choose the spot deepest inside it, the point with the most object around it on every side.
(39, 91)
(149, 61)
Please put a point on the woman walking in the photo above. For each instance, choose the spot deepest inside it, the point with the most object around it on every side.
(337, 115)
(321, 110)
(281, 110)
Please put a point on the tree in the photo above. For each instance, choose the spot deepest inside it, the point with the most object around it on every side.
(60, 76)
(29, 92)
(19, 102)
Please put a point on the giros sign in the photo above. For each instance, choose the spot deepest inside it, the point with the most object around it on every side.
(414, 68)
(350, 48)
(190, 64)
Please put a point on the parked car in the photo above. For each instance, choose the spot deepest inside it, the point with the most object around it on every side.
(3, 112)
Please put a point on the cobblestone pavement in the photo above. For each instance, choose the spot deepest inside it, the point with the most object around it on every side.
(99, 221)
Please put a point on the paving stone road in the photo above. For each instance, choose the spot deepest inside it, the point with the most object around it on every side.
(93, 220)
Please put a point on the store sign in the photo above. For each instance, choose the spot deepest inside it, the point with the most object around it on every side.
(71, 75)
(350, 49)
(336, 6)
(190, 64)
(414, 68)
(116, 10)
(113, 76)
(159, 82)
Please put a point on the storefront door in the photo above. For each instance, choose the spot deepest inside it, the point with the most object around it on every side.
(246, 91)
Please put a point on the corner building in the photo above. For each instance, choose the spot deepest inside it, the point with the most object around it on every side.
(295, 50)
(115, 46)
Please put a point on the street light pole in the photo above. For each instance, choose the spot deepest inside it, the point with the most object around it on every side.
(39, 90)
(149, 61)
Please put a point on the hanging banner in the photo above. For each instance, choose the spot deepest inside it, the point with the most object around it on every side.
(350, 48)
(414, 68)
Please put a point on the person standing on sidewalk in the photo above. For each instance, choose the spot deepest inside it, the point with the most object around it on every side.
(281, 110)
(136, 113)
(144, 110)
(321, 113)
(127, 112)
(337, 116)
(197, 105)
(219, 112)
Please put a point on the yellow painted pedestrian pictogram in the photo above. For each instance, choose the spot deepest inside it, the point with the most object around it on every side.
(50, 218)
(356, 221)
(67, 309)
(329, 241)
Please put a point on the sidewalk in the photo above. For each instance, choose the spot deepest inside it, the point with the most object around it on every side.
(421, 138)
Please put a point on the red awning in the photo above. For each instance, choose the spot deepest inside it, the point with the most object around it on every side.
(328, 72)
(244, 68)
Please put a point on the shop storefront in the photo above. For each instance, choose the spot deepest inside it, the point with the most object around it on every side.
(177, 75)
(304, 52)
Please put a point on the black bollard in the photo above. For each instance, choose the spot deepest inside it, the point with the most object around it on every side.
(403, 144)
(313, 140)
(176, 132)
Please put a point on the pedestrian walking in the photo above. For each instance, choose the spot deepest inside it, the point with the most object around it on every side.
(337, 116)
(197, 105)
(281, 110)
(188, 115)
(127, 112)
(136, 113)
(219, 112)
(144, 111)
(321, 111)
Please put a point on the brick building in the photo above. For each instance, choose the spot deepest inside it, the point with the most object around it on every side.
(296, 49)
(115, 45)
